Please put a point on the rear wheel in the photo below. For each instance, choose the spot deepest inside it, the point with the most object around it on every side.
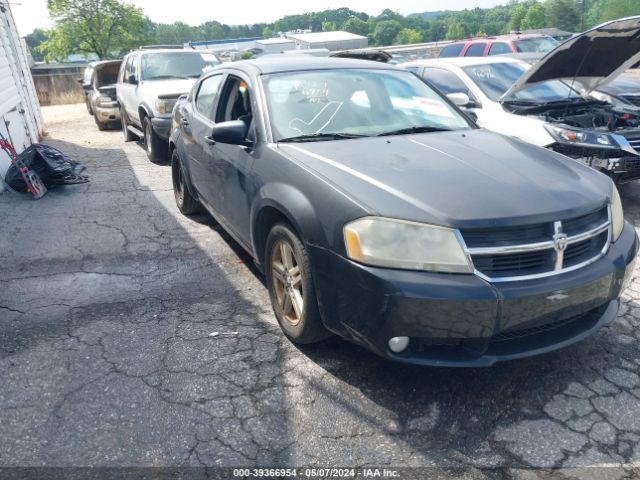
(155, 147)
(128, 135)
(293, 296)
(186, 203)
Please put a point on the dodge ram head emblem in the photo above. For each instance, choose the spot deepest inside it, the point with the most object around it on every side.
(560, 242)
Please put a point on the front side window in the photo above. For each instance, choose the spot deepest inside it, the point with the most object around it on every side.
(496, 78)
(447, 82)
(207, 95)
(475, 50)
(168, 65)
(354, 102)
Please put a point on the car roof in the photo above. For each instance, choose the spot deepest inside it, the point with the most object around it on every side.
(462, 61)
(292, 63)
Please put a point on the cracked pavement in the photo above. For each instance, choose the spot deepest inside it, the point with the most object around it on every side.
(108, 297)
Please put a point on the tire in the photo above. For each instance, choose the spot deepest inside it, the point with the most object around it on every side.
(88, 103)
(154, 146)
(186, 203)
(289, 281)
(128, 136)
(101, 126)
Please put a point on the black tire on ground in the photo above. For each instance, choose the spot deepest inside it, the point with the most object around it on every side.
(155, 147)
(128, 135)
(101, 126)
(186, 203)
(88, 103)
(291, 279)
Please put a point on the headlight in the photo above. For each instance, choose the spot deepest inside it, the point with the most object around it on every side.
(166, 105)
(385, 242)
(617, 215)
(105, 102)
(575, 136)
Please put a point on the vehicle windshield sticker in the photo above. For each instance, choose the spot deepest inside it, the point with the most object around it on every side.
(485, 72)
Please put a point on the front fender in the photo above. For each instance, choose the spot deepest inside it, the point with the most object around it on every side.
(294, 205)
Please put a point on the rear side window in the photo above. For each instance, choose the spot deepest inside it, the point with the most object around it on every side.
(207, 95)
(452, 50)
(475, 50)
(445, 81)
(498, 48)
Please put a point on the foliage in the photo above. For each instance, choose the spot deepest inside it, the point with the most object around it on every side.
(35, 38)
(103, 27)
(408, 35)
(386, 31)
(83, 26)
(535, 18)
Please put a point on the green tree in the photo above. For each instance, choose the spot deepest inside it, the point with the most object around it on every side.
(620, 9)
(103, 27)
(536, 17)
(33, 41)
(385, 32)
(455, 31)
(563, 14)
(356, 25)
(267, 32)
(408, 35)
(517, 16)
(329, 27)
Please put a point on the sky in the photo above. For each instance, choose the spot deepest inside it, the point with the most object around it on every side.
(30, 14)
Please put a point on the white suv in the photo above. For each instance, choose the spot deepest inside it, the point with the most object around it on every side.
(149, 84)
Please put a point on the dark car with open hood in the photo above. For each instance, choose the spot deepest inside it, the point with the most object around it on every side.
(379, 212)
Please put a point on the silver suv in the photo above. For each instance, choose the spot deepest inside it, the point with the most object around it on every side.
(149, 84)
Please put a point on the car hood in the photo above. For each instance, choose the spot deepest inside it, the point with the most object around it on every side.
(459, 179)
(168, 88)
(591, 58)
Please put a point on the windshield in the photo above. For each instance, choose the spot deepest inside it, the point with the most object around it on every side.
(496, 78)
(542, 44)
(166, 65)
(345, 103)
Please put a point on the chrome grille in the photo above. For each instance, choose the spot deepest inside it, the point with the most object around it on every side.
(634, 142)
(506, 254)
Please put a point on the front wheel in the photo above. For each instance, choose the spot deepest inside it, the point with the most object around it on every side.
(291, 289)
(155, 147)
(128, 135)
(186, 203)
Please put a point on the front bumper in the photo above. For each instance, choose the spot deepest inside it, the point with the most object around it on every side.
(107, 114)
(462, 320)
(162, 127)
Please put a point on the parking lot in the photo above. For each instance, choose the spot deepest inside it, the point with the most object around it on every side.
(109, 297)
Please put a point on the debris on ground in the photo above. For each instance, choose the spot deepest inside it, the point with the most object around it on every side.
(50, 164)
(216, 334)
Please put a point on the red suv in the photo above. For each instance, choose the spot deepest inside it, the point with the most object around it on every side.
(512, 43)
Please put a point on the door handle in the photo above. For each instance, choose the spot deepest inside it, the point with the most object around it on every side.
(209, 141)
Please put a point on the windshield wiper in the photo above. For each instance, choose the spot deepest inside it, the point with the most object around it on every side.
(408, 130)
(321, 136)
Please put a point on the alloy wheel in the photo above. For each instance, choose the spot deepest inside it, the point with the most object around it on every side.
(178, 183)
(287, 282)
(147, 139)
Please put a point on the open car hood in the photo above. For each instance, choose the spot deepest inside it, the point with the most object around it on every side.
(591, 58)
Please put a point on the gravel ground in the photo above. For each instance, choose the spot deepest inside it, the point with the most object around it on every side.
(107, 299)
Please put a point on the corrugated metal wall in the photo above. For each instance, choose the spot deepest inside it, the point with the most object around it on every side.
(20, 116)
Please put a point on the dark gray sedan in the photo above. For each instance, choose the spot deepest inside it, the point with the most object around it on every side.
(379, 212)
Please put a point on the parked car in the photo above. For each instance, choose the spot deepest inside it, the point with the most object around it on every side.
(149, 84)
(489, 46)
(379, 212)
(98, 83)
(549, 104)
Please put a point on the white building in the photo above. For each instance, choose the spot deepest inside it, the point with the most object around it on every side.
(275, 45)
(20, 117)
(329, 40)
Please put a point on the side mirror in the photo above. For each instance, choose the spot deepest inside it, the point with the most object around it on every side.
(233, 132)
(471, 114)
(459, 98)
(87, 87)
(132, 80)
